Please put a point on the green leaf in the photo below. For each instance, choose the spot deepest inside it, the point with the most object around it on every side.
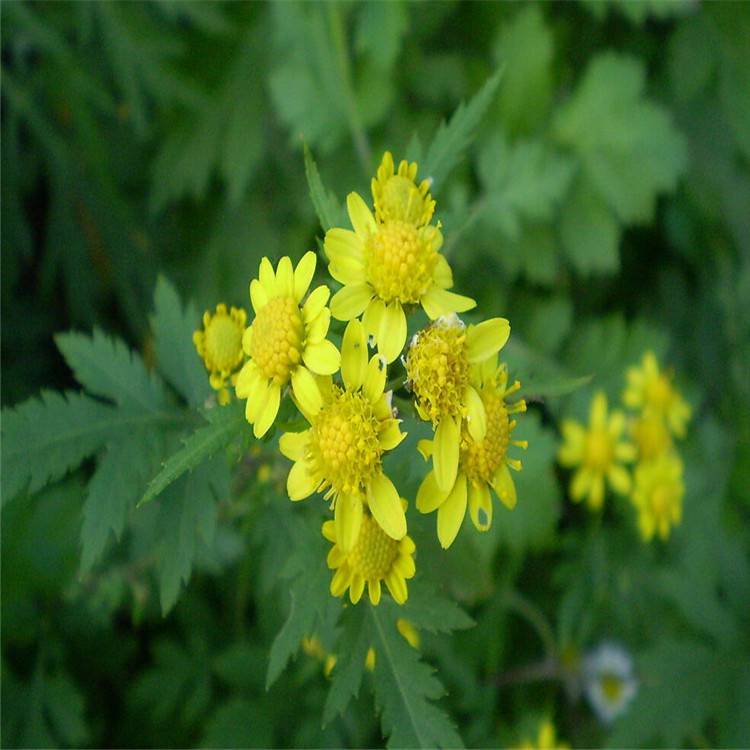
(455, 136)
(405, 687)
(225, 424)
(329, 210)
(176, 357)
(427, 609)
(629, 148)
(380, 31)
(106, 367)
(351, 652)
(239, 723)
(553, 388)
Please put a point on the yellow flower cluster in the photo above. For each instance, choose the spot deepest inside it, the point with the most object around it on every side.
(599, 453)
(389, 265)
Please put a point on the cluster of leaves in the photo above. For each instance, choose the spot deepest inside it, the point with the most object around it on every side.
(600, 182)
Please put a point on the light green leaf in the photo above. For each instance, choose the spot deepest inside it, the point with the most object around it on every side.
(455, 136)
(428, 609)
(405, 687)
(380, 29)
(330, 212)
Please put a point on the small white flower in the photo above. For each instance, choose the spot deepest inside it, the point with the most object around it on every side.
(609, 682)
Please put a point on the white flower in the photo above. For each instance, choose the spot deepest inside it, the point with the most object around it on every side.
(609, 682)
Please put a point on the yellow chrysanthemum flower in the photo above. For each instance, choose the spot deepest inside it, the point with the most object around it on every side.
(651, 390)
(374, 558)
(598, 452)
(219, 345)
(387, 264)
(351, 426)
(651, 436)
(546, 739)
(438, 364)
(286, 341)
(396, 195)
(483, 464)
(657, 495)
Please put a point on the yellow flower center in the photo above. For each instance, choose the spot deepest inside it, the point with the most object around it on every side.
(480, 461)
(652, 437)
(399, 262)
(374, 552)
(344, 441)
(438, 370)
(611, 687)
(223, 343)
(399, 199)
(276, 343)
(659, 392)
(599, 450)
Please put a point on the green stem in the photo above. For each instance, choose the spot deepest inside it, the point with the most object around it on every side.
(535, 617)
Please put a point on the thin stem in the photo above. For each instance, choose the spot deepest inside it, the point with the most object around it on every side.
(535, 617)
(359, 135)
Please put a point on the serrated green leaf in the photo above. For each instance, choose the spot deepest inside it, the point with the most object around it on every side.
(455, 136)
(225, 424)
(380, 29)
(405, 687)
(176, 357)
(106, 367)
(429, 610)
(329, 210)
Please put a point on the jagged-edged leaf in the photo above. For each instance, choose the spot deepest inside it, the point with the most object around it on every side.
(329, 210)
(351, 652)
(406, 687)
(429, 610)
(455, 136)
(176, 358)
(224, 424)
(105, 366)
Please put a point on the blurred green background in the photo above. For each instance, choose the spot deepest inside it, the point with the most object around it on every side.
(603, 207)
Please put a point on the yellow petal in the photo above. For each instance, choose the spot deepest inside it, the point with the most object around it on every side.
(445, 452)
(374, 383)
(437, 302)
(579, 484)
(385, 506)
(373, 589)
(347, 271)
(486, 339)
(596, 492)
(391, 437)
(315, 303)
(476, 418)
(356, 587)
(619, 479)
(351, 301)
(505, 487)
(285, 277)
(329, 531)
(373, 316)
(293, 445)
(258, 295)
(255, 405)
(354, 356)
(363, 222)
(303, 275)
(322, 358)
(392, 332)
(451, 513)
(442, 275)
(267, 277)
(269, 411)
(317, 329)
(348, 517)
(343, 243)
(397, 586)
(429, 495)
(598, 411)
(405, 566)
(300, 483)
(306, 391)
(425, 449)
(249, 380)
(340, 581)
(480, 506)
(574, 442)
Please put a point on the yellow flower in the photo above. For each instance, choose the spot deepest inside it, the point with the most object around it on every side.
(285, 342)
(351, 426)
(219, 345)
(374, 558)
(651, 390)
(598, 452)
(483, 464)
(396, 195)
(651, 436)
(546, 739)
(392, 262)
(657, 495)
(438, 364)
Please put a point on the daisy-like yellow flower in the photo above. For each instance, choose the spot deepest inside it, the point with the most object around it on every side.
(351, 426)
(546, 739)
(651, 436)
(598, 452)
(483, 464)
(219, 345)
(286, 341)
(375, 558)
(438, 364)
(657, 495)
(651, 390)
(391, 262)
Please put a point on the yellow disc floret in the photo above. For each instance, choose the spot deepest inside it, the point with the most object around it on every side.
(481, 460)
(400, 261)
(397, 196)
(374, 552)
(276, 342)
(219, 343)
(344, 443)
(438, 369)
